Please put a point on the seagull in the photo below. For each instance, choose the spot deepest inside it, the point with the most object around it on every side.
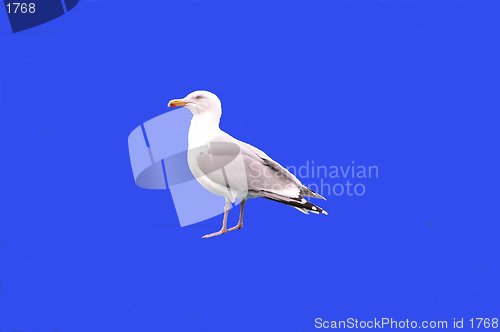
(234, 169)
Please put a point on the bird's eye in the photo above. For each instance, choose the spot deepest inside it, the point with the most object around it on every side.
(198, 97)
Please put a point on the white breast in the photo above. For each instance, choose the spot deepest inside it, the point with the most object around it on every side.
(200, 134)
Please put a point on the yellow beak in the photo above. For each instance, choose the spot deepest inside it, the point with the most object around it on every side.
(176, 103)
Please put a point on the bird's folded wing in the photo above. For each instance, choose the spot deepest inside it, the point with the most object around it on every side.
(265, 159)
(246, 168)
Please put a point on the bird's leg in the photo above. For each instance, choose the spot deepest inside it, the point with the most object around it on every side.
(223, 230)
(240, 222)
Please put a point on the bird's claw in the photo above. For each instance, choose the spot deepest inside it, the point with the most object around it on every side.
(222, 231)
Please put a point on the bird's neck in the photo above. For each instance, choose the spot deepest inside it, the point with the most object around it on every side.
(202, 129)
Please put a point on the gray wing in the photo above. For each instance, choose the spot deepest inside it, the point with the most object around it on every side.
(269, 162)
(256, 172)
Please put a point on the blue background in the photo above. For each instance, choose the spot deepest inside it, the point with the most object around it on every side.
(411, 86)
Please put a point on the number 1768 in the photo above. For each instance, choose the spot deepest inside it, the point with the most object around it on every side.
(21, 7)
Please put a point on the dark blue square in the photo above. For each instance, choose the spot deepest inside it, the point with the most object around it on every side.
(45, 10)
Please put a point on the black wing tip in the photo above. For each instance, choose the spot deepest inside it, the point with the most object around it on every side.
(299, 203)
(310, 207)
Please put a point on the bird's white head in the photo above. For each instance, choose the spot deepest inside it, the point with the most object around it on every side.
(200, 103)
